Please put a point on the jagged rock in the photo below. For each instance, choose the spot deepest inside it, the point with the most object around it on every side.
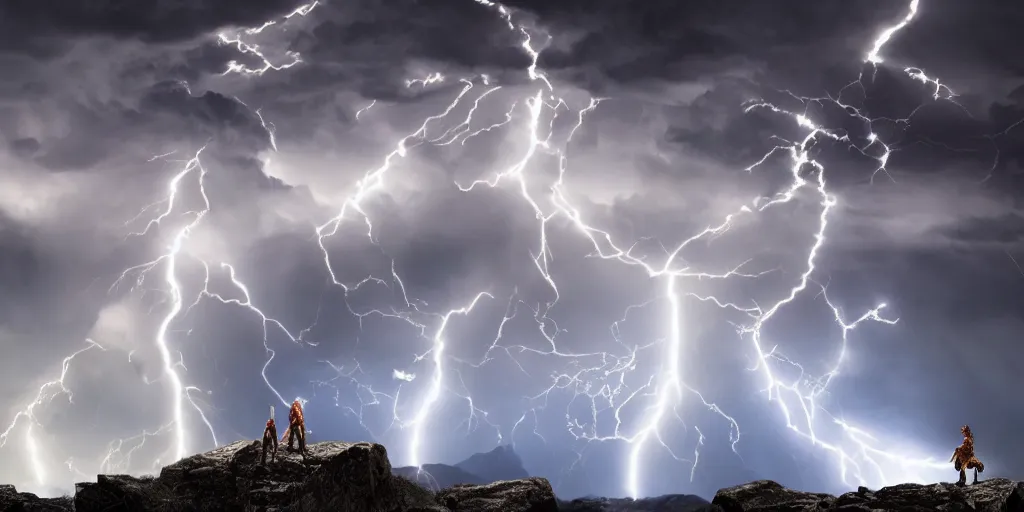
(358, 477)
(13, 501)
(666, 503)
(335, 476)
(767, 495)
(526, 495)
(345, 477)
(995, 495)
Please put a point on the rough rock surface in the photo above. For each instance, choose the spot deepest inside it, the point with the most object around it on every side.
(231, 478)
(357, 477)
(526, 495)
(336, 476)
(995, 495)
(13, 501)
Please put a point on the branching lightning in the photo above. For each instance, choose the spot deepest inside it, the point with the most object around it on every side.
(47, 392)
(598, 377)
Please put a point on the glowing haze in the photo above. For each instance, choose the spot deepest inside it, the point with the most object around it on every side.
(654, 258)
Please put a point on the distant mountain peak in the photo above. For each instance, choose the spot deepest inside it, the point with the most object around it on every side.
(501, 463)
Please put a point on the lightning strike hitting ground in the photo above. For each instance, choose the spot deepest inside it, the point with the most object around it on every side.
(47, 392)
(599, 377)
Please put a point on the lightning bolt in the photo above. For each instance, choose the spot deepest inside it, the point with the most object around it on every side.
(436, 384)
(252, 49)
(597, 378)
(46, 393)
(668, 385)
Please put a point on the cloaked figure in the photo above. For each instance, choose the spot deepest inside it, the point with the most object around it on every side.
(296, 429)
(963, 457)
(270, 439)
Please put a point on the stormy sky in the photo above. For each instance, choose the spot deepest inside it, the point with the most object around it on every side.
(450, 225)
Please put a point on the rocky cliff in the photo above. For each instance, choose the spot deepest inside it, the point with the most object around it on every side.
(357, 477)
(351, 477)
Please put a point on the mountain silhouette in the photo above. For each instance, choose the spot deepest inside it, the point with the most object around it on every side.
(501, 463)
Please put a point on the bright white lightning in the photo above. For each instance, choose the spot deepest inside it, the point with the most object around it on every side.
(883, 38)
(170, 262)
(436, 382)
(254, 49)
(667, 385)
(669, 389)
(46, 393)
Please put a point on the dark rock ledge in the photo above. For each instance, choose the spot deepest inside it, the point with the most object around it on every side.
(336, 476)
(357, 477)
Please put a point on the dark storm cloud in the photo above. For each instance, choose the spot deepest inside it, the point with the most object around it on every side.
(159, 21)
(1007, 229)
(210, 115)
(757, 50)
(19, 266)
(24, 147)
(662, 158)
(167, 107)
(371, 46)
(659, 40)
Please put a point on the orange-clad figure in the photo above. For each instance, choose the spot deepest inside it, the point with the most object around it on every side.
(296, 428)
(963, 457)
(270, 439)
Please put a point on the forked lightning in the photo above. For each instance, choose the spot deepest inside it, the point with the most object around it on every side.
(598, 377)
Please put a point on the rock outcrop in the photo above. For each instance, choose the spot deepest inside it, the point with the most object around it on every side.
(358, 477)
(13, 501)
(335, 476)
(995, 495)
(349, 477)
(526, 495)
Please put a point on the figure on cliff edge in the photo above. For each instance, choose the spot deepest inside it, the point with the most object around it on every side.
(270, 439)
(296, 429)
(964, 459)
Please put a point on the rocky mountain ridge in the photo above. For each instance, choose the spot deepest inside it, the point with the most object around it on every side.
(357, 477)
(501, 463)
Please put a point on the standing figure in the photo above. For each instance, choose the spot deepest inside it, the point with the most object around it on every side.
(296, 429)
(963, 457)
(270, 438)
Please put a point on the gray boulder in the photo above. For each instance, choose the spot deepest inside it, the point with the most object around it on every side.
(526, 495)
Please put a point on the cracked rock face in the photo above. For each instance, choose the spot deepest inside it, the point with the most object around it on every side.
(336, 476)
(14, 501)
(357, 477)
(995, 495)
(526, 495)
